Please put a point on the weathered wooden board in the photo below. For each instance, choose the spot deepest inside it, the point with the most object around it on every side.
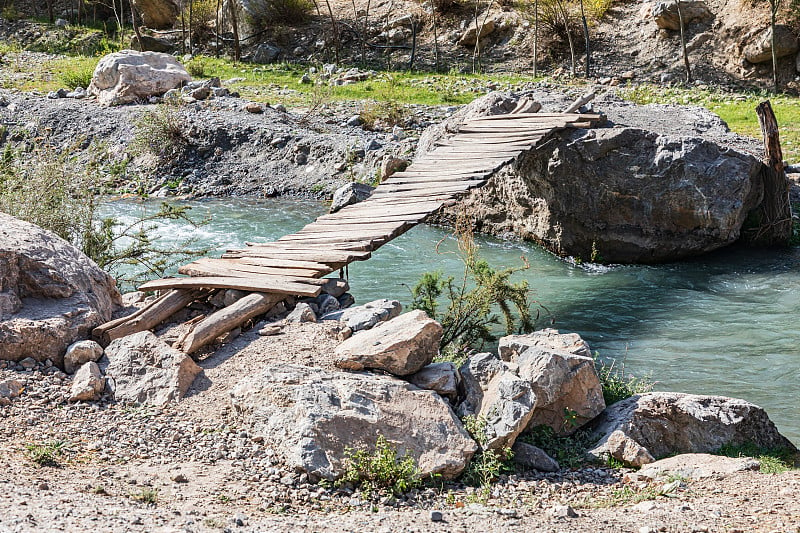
(288, 286)
(287, 264)
(229, 267)
(570, 117)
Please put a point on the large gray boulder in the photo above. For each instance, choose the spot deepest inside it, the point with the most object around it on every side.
(665, 14)
(401, 346)
(128, 76)
(656, 183)
(562, 375)
(650, 426)
(313, 416)
(350, 194)
(51, 294)
(143, 369)
(365, 316)
(498, 397)
(157, 14)
(759, 50)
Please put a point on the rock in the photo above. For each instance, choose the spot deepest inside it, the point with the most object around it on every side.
(530, 456)
(265, 53)
(759, 50)
(313, 416)
(254, 107)
(51, 294)
(336, 287)
(143, 369)
(152, 44)
(350, 194)
(81, 352)
(496, 394)
(326, 303)
(354, 121)
(301, 313)
(436, 516)
(511, 346)
(157, 14)
(87, 384)
(624, 194)
(79, 93)
(10, 388)
(366, 316)
(391, 165)
(470, 37)
(698, 466)
(269, 331)
(372, 145)
(566, 385)
(666, 17)
(401, 346)
(127, 76)
(439, 377)
(61, 23)
(562, 511)
(648, 426)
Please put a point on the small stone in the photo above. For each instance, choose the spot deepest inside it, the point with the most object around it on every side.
(354, 121)
(280, 108)
(81, 352)
(10, 388)
(43, 486)
(563, 511)
(269, 331)
(302, 313)
(254, 107)
(180, 478)
(29, 363)
(436, 516)
(88, 383)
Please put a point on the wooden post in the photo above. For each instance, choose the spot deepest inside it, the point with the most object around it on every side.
(775, 215)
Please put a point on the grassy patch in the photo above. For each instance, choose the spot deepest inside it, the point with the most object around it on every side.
(146, 496)
(617, 385)
(46, 453)
(486, 465)
(773, 460)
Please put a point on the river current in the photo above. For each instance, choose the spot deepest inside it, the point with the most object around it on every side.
(727, 323)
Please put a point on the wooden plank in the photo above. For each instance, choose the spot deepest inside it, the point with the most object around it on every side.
(411, 218)
(413, 173)
(378, 227)
(565, 116)
(429, 186)
(439, 179)
(214, 267)
(323, 256)
(289, 286)
(289, 264)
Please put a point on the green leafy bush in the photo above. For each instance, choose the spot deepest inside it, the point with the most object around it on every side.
(159, 133)
(381, 470)
(472, 301)
(569, 451)
(486, 465)
(81, 76)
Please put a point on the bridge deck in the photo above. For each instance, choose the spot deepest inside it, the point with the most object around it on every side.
(292, 264)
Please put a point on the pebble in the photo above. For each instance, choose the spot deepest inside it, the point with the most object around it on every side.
(436, 516)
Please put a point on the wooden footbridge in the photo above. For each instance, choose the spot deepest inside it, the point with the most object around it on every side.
(295, 265)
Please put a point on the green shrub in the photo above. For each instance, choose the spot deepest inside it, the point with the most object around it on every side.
(286, 12)
(146, 496)
(81, 76)
(381, 470)
(196, 67)
(159, 133)
(569, 451)
(617, 385)
(388, 113)
(46, 453)
(486, 465)
(471, 302)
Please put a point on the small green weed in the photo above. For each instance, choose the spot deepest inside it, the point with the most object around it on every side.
(617, 385)
(773, 460)
(159, 133)
(146, 496)
(626, 495)
(80, 76)
(46, 453)
(381, 470)
(99, 490)
(569, 451)
(486, 465)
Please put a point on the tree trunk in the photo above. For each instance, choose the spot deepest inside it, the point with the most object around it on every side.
(565, 18)
(586, 41)
(183, 28)
(136, 27)
(535, 37)
(191, 26)
(775, 213)
(436, 37)
(773, 13)
(217, 26)
(683, 44)
(237, 49)
(335, 28)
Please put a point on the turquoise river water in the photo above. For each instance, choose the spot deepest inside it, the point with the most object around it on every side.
(727, 323)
